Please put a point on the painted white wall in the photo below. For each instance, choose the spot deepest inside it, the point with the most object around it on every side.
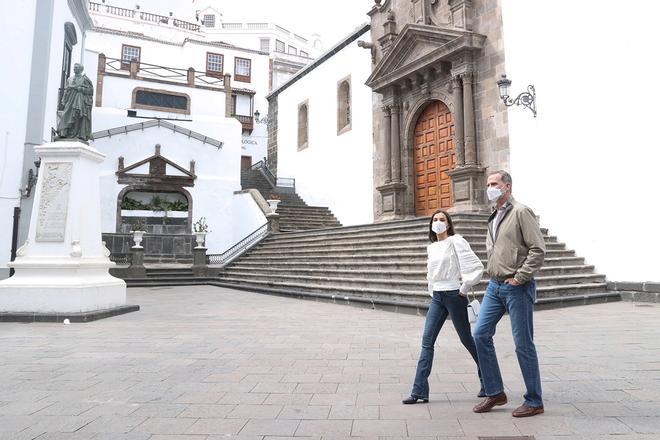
(217, 170)
(588, 163)
(14, 82)
(335, 170)
(248, 216)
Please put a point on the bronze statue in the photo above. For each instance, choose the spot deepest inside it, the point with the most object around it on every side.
(76, 120)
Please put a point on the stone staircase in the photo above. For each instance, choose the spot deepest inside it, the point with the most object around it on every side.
(295, 214)
(386, 263)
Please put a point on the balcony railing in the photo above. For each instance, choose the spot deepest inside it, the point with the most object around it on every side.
(143, 16)
(155, 72)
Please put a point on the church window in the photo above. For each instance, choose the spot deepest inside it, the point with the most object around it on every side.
(303, 125)
(344, 106)
(293, 50)
(161, 100)
(128, 54)
(242, 69)
(279, 46)
(209, 20)
(214, 64)
(264, 44)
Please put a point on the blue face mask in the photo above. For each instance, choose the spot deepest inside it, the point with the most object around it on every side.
(439, 227)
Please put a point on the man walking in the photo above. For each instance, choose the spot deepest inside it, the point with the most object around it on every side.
(515, 252)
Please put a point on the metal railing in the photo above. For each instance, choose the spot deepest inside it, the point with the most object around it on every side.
(275, 182)
(239, 248)
(154, 71)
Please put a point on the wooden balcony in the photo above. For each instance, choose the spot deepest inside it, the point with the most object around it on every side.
(246, 121)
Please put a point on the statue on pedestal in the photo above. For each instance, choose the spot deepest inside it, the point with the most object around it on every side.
(76, 120)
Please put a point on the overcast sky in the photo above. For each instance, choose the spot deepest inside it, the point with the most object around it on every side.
(331, 19)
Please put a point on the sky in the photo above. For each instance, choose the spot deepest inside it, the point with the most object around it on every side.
(332, 20)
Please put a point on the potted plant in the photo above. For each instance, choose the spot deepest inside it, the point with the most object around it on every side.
(138, 230)
(273, 202)
(200, 228)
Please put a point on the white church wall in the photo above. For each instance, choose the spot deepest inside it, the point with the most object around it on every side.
(13, 119)
(588, 163)
(217, 170)
(335, 170)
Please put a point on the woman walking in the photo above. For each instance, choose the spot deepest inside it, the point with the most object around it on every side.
(453, 269)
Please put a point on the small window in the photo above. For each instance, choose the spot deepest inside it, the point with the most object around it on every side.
(128, 54)
(304, 54)
(242, 69)
(264, 44)
(233, 105)
(161, 100)
(209, 20)
(303, 126)
(214, 64)
(293, 50)
(344, 106)
(279, 46)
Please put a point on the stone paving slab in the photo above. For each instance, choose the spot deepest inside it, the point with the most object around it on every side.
(210, 363)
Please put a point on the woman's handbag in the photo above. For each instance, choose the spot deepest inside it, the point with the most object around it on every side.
(474, 305)
(473, 308)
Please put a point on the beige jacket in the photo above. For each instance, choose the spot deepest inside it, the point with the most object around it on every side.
(518, 248)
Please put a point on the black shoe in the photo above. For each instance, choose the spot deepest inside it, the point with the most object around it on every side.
(412, 400)
(482, 393)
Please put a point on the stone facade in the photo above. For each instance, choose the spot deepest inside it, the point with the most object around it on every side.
(428, 50)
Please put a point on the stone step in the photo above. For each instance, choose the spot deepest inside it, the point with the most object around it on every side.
(367, 243)
(418, 283)
(381, 270)
(374, 249)
(398, 294)
(411, 236)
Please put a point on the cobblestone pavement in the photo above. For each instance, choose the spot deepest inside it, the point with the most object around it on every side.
(211, 363)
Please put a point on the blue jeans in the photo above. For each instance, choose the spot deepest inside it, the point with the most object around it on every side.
(519, 302)
(443, 304)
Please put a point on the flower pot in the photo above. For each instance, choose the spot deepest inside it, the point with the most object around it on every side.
(273, 204)
(137, 238)
(199, 238)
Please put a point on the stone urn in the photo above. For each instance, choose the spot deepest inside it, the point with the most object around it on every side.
(273, 204)
(199, 238)
(137, 239)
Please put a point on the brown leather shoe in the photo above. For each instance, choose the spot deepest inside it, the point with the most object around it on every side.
(527, 411)
(489, 402)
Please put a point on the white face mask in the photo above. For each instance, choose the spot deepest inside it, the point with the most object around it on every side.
(439, 227)
(494, 193)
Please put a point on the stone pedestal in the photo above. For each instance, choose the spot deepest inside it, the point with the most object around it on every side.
(137, 269)
(273, 222)
(199, 262)
(63, 267)
(393, 200)
(469, 190)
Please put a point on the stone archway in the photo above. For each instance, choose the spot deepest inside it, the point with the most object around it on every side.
(433, 157)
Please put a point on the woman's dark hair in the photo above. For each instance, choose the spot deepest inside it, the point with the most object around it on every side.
(450, 225)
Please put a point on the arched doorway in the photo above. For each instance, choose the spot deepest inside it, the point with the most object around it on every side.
(434, 156)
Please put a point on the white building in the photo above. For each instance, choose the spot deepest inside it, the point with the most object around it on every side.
(289, 51)
(324, 130)
(47, 37)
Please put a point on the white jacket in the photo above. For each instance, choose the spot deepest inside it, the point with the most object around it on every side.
(452, 265)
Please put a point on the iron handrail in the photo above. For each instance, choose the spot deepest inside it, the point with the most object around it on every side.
(239, 248)
(286, 182)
